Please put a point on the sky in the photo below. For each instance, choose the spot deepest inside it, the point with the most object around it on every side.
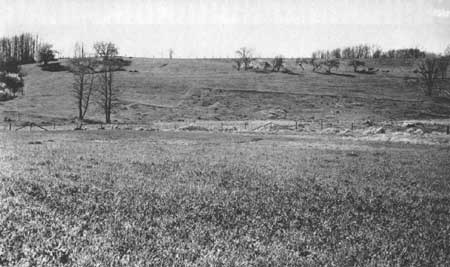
(217, 28)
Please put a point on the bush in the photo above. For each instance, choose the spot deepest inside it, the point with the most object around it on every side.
(277, 63)
(9, 65)
(355, 64)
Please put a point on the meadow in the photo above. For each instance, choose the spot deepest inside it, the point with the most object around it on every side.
(196, 176)
(132, 198)
(211, 89)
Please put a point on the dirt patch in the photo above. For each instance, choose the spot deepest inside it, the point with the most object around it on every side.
(272, 114)
(194, 128)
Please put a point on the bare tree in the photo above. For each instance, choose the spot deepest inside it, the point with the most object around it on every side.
(277, 63)
(356, 63)
(336, 53)
(447, 51)
(443, 63)
(109, 63)
(171, 53)
(428, 70)
(238, 62)
(317, 63)
(244, 57)
(331, 64)
(84, 75)
(301, 61)
(22, 48)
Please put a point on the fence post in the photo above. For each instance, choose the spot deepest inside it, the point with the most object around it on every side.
(352, 126)
(448, 130)
(296, 125)
(10, 126)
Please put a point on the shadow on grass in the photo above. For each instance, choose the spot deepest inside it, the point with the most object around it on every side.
(270, 71)
(336, 74)
(367, 72)
(54, 67)
(6, 97)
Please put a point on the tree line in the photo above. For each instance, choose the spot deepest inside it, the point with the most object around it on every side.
(22, 48)
(364, 51)
(15, 51)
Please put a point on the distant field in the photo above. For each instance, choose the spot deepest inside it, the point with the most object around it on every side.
(135, 198)
(204, 89)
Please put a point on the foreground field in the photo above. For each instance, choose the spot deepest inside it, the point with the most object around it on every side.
(187, 199)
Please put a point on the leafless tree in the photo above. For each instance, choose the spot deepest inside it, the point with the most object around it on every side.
(171, 53)
(244, 57)
(301, 61)
(447, 51)
(238, 62)
(84, 75)
(317, 63)
(331, 64)
(356, 63)
(429, 70)
(22, 48)
(443, 63)
(109, 62)
(277, 63)
(336, 53)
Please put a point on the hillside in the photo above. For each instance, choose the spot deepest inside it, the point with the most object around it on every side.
(203, 89)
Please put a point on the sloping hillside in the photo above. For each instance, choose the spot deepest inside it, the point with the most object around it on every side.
(158, 89)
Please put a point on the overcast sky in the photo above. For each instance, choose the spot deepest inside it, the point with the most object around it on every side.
(216, 28)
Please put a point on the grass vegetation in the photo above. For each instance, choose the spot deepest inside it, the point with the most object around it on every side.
(129, 198)
(183, 89)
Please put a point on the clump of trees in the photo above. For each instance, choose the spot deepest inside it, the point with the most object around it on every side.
(94, 78)
(277, 63)
(46, 53)
(331, 64)
(109, 63)
(356, 64)
(21, 48)
(84, 76)
(328, 64)
(432, 73)
(244, 57)
(365, 51)
(11, 78)
(15, 51)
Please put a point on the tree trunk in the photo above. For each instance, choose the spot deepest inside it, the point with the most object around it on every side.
(80, 99)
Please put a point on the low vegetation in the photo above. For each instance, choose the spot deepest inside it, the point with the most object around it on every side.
(110, 199)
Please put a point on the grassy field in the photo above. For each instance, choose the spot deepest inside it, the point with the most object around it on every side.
(183, 89)
(130, 198)
(229, 179)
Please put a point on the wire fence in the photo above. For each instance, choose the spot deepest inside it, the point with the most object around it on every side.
(231, 126)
